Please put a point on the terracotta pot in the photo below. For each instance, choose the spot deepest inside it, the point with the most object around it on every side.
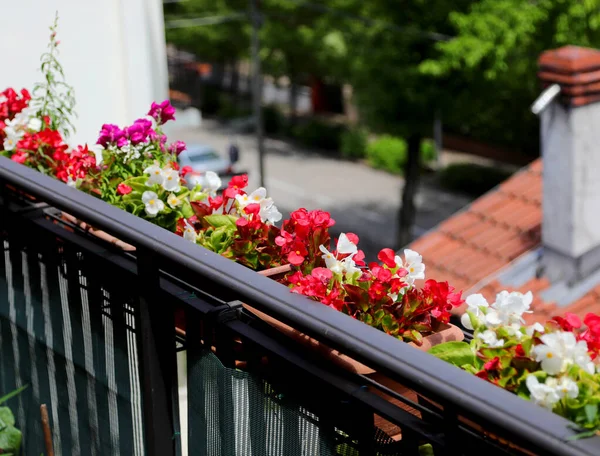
(98, 233)
(446, 333)
(21, 192)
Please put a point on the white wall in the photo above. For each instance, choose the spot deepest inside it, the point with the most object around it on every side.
(112, 51)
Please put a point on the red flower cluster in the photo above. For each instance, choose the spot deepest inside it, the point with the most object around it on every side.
(319, 286)
(301, 236)
(249, 242)
(74, 164)
(13, 104)
(40, 149)
(380, 298)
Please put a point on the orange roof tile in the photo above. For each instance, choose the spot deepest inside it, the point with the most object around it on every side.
(469, 249)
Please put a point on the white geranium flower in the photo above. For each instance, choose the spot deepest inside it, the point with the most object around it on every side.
(170, 180)
(256, 197)
(97, 150)
(475, 303)
(173, 200)
(413, 263)
(213, 182)
(156, 174)
(345, 245)
(533, 328)
(542, 394)
(509, 308)
(12, 138)
(514, 329)
(34, 124)
(490, 338)
(153, 204)
(349, 266)
(189, 233)
(559, 350)
(70, 182)
(268, 211)
(566, 387)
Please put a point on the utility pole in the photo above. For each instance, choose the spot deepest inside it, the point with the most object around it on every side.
(438, 134)
(257, 87)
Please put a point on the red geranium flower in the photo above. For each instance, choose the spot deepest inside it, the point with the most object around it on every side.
(123, 189)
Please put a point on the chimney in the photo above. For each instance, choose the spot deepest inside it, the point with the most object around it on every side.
(570, 140)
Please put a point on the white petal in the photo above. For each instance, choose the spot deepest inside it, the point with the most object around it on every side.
(466, 321)
(344, 245)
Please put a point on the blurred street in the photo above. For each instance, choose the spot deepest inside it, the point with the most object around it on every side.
(361, 199)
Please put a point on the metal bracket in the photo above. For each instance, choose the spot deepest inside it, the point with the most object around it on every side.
(226, 312)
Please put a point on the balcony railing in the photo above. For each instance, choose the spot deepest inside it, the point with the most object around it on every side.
(91, 329)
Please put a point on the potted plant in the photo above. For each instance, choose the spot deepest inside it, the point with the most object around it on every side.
(554, 365)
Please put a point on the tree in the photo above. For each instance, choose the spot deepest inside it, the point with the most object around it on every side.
(495, 52)
(392, 94)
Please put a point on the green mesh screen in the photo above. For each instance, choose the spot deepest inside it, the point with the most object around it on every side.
(69, 338)
(234, 413)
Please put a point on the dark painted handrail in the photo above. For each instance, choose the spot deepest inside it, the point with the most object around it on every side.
(479, 399)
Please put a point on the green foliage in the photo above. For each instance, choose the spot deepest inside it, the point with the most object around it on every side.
(10, 436)
(428, 153)
(219, 43)
(388, 153)
(319, 134)
(471, 178)
(54, 97)
(457, 353)
(354, 144)
(494, 57)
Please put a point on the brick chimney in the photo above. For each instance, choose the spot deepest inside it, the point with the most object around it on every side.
(570, 139)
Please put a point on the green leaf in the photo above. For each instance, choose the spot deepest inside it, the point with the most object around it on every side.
(426, 450)
(457, 353)
(591, 411)
(10, 440)
(12, 394)
(6, 416)
(582, 435)
(218, 220)
(390, 325)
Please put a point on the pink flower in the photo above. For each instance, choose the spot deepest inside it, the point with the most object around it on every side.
(111, 134)
(162, 112)
(177, 147)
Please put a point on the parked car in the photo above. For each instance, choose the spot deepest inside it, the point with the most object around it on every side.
(202, 158)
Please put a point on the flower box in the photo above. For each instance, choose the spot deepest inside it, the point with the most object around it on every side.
(444, 333)
(98, 233)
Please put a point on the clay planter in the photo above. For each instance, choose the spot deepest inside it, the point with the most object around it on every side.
(98, 233)
(445, 333)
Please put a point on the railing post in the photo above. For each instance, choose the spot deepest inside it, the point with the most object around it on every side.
(156, 344)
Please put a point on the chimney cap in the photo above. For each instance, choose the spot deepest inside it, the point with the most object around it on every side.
(570, 60)
(576, 69)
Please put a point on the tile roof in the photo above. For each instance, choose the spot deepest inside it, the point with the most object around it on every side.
(471, 249)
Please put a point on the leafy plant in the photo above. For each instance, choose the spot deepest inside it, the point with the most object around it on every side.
(387, 153)
(551, 365)
(316, 133)
(10, 436)
(53, 98)
(354, 144)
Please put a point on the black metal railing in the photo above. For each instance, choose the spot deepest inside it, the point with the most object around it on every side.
(91, 329)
